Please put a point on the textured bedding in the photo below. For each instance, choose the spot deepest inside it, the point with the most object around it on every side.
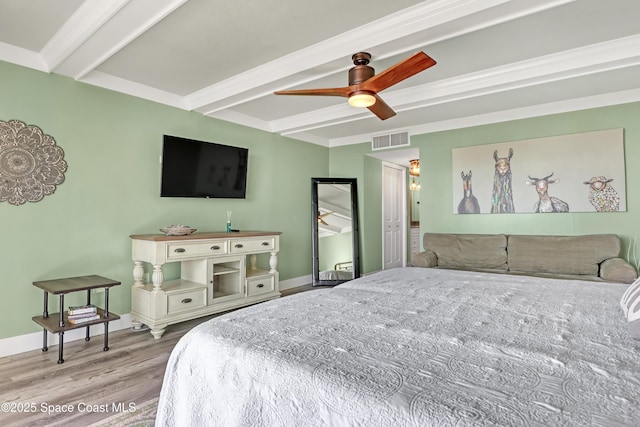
(413, 347)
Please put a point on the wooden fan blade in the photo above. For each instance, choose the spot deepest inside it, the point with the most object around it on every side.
(334, 91)
(381, 109)
(397, 73)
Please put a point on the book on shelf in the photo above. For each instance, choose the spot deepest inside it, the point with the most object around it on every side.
(84, 319)
(82, 309)
(81, 315)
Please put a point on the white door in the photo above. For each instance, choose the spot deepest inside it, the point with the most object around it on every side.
(394, 246)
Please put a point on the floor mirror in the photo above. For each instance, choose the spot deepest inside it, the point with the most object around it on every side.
(335, 231)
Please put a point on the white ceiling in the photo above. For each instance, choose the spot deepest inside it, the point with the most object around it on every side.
(334, 204)
(496, 59)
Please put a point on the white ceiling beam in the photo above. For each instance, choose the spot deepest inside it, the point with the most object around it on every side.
(134, 19)
(568, 105)
(89, 17)
(138, 90)
(615, 54)
(24, 57)
(392, 27)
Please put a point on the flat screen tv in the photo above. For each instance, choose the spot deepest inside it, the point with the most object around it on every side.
(193, 168)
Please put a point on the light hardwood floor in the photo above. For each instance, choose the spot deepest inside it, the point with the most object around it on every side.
(130, 372)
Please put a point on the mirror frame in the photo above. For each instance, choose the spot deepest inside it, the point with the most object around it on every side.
(355, 229)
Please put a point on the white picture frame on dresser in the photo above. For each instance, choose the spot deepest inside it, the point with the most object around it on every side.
(219, 271)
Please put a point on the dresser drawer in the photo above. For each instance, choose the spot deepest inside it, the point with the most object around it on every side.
(253, 245)
(187, 300)
(183, 250)
(260, 285)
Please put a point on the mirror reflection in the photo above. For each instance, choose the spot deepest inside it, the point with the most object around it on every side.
(335, 231)
(414, 206)
(414, 192)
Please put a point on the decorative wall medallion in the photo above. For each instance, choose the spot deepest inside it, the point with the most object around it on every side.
(31, 164)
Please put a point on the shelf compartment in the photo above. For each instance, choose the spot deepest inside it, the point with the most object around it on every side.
(226, 279)
(51, 323)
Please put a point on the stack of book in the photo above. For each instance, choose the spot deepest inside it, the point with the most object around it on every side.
(82, 313)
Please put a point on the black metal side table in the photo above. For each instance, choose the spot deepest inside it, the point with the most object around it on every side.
(58, 323)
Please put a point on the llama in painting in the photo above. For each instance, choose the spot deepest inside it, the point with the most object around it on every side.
(502, 195)
(469, 204)
(545, 202)
(602, 195)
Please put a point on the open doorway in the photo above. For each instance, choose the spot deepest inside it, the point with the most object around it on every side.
(409, 207)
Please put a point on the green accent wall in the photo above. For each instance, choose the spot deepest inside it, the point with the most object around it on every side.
(436, 176)
(436, 179)
(112, 144)
(334, 249)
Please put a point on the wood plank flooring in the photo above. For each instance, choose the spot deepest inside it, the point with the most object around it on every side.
(130, 372)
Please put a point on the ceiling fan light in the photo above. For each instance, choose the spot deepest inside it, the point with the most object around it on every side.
(362, 100)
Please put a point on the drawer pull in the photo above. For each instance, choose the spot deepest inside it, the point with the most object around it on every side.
(179, 250)
(265, 243)
(260, 285)
(186, 300)
(239, 245)
(215, 248)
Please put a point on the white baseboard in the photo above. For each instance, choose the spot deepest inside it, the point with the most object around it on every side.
(295, 282)
(33, 341)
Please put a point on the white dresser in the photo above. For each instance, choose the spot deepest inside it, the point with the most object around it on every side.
(218, 272)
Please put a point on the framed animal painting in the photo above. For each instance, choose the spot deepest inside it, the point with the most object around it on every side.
(583, 172)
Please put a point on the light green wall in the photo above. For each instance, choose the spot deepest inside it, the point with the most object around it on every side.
(112, 144)
(351, 161)
(334, 249)
(436, 176)
(436, 212)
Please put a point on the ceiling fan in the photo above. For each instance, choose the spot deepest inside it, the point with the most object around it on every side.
(364, 84)
(321, 217)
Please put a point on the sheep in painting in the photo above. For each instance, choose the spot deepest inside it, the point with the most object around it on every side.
(501, 196)
(545, 202)
(469, 204)
(602, 195)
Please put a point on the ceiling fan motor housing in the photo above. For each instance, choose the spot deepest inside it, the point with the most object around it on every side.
(362, 71)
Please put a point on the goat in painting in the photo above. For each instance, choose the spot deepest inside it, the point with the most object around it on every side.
(545, 202)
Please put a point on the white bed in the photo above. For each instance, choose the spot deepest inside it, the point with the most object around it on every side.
(413, 347)
(341, 271)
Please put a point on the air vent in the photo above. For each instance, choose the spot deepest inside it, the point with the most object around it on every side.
(392, 140)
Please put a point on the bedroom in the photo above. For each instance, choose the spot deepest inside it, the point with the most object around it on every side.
(112, 141)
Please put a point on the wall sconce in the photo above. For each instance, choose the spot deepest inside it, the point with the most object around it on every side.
(414, 186)
(414, 168)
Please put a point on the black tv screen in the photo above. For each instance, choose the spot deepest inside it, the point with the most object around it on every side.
(193, 168)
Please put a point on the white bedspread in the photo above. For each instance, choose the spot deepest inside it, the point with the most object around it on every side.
(413, 347)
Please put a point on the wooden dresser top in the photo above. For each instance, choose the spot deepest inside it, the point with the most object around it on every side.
(204, 235)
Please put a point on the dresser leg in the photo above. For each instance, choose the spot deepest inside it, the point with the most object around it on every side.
(158, 331)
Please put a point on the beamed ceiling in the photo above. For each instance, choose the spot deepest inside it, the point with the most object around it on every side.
(496, 59)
